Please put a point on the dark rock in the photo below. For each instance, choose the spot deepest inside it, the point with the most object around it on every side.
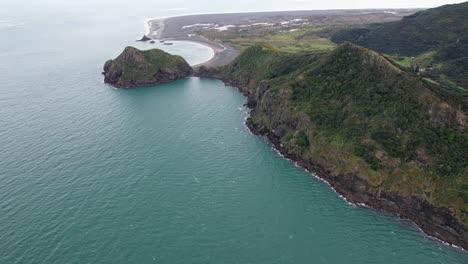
(144, 38)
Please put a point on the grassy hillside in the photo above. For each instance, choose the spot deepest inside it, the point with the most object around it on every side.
(365, 116)
(443, 30)
(426, 30)
(303, 39)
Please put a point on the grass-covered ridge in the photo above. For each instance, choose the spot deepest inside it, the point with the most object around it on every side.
(438, 37)
(426, 30)
(285, 41)
(378, 106)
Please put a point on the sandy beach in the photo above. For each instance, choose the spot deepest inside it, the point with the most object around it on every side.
(223, 54)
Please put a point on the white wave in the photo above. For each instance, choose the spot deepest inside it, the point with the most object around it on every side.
(224, 28)
(262, 24)
(441, 241)
(198, 25)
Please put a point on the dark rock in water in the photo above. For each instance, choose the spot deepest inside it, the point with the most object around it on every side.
(135, 67)
(167, 43)
(152, 42)
(144, 38)
(161, 41)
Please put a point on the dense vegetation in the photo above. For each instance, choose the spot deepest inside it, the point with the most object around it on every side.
(348, 98)
(264, 62)
(425, 30)
(443, 29)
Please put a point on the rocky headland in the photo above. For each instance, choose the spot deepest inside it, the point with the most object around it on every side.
(379, 135)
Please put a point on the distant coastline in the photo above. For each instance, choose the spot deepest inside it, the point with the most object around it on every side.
(187, 27)
(223, 54)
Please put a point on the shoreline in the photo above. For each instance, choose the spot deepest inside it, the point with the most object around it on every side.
(207, 62)
(342, 189)
(379, 204)
(195, 66)
(382, 204)
(321, 176)
(344, 198)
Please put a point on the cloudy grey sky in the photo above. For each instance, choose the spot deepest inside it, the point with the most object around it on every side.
(158, 8)
(338, 4)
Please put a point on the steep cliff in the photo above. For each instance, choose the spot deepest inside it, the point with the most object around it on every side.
(379, 135)
(134, 68)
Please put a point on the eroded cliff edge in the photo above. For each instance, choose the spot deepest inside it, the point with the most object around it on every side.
(134, 67)
(379, 135)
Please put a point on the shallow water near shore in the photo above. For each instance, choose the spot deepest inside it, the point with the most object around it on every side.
(165, 174)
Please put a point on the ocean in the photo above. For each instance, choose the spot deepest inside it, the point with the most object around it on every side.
(164, 174)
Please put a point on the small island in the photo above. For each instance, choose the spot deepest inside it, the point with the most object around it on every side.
(135, 68)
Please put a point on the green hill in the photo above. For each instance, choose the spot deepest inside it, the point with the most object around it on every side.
(379, 134)
(135, 67)
(443, 30)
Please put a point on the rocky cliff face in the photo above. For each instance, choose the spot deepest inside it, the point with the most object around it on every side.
(135, 67)
(378, 135)
(355, 184)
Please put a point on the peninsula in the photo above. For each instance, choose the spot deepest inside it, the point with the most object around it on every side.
(381, 133)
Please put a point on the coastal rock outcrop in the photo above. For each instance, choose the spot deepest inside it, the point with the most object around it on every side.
(135, 67)
(144, 38)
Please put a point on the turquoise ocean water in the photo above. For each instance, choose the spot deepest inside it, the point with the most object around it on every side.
(167, 174)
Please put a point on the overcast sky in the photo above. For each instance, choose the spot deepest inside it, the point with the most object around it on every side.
(255, 4)
(159, 8)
